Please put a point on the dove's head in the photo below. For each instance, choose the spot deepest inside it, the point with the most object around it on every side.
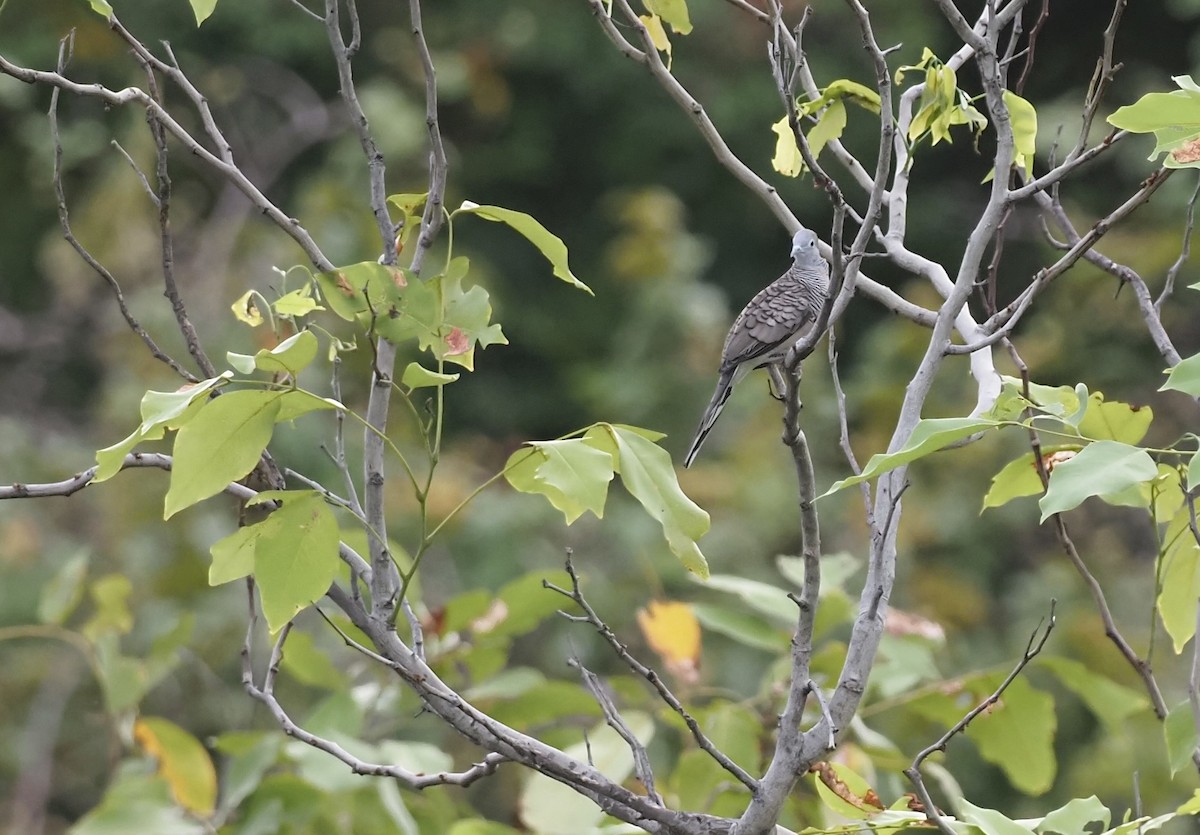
(804, 247)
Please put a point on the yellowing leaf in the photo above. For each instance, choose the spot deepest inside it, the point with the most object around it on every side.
(246, 309)
(674, 12)
(658, 35)
(182, 762)
(1024, 127)
(787, 160)
(672, 631)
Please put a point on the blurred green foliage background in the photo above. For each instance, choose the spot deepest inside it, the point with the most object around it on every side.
(542, 115)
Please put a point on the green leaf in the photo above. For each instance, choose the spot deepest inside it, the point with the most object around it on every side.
(1111, 703)
(829, 127)
(288, 357)
(1115, 421)
(1173, 118)
(763, 598)
(743, 627)
(182, 762)
(1017, 734)
(1179, 730)
(136, 801)
(649, 475)
(658, 34)
(1076, 817)
(989, 821)
(860, 94)
(674, 12)
(110, 598)
(296, 557)
(547, 243)
(572, 474)
(364, 289)
(296, 303)
(102, 8)
(62, 594)
(787, 160)
(309, 665)
(1024, 128)
(1103, 468)
(509, 684)
(1185, 377)
(1180, 588)
(417, 376)
(928, 437)
(202, 9)
(1193, 471)
(221, 444)
(160, 410)
(1016, 479)
(233, 556)
(294, 403)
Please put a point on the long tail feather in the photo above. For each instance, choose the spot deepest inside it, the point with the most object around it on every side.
(724, 387)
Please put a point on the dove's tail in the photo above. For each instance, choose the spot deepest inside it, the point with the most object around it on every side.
(724, 387)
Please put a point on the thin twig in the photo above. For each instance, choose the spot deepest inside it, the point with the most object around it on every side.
(1185, 250)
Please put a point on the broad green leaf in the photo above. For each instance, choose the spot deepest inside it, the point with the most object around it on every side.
(366, 288)
(649, 475)
(928, 437)
(1185, 377)
(296, 402)
(1179, 730)
(551, 808)
(989, 821)
(829, 127)
(160, 410)
(860, 94)
(182, 762)
(247, 756)
(202, 9)
(1017, 734)
(1111, 703)
(62, 594)
(233, 556)
(309, 665)
(1024, 128)
(1193, 471)
(547, 243)
(296, 559)
(674, 12)
(1190, 807)
(466, 320)
(296, 303)
(1076, 817)
(1180, 580)
(288, 357)
(741, 626)
(1114, 420)
(1173, 118)
(1016, 479)
(763, 598)
(1103, 468)
(136, 801)
(572, 474)
(1140, 825)
(417, 376)
(221, 444)
(110, 599)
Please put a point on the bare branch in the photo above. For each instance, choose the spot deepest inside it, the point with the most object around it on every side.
(1185, 250)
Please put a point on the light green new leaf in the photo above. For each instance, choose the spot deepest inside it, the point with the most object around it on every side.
(674, 12)
(219, 445)
(1111, 703)
(297, 560)
(1193, 471)
(101, 7)
(1179, 730)
(1016, 479)
(989, 821)
(928, 437)
(572, 474)
(764, 598)
(288, 357)
(233, 556)
(203, 9)
(1104, 469)
(549, 244)
(860, 94)
(1114, 420)
(1190, 806)
(787, 160)
(296, 303)
(648, 474)
(296, 402)
(1076, 817)
(829, 127)
(1184, 377)
(417, 376)
(1024, 128)
(160, 410)
(1173, 118)
(658, 35)
(1018, 735)
(1180, 580)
